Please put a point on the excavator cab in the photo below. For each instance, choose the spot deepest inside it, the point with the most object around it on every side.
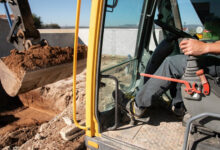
(131, 37)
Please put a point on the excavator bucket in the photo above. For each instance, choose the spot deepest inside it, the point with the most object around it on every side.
(23, 71)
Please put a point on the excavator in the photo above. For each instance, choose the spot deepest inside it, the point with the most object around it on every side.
(115, 67)
(23, 35)
(128, 40)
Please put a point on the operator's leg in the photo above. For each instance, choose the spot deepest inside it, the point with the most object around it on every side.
(173, 67)
(178, 107)
(176, 94)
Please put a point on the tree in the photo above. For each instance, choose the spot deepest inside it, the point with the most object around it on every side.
(37, 21)
(51, 26)
(39, 24)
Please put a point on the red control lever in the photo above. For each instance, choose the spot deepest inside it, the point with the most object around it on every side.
(190, 90)
(204, 81)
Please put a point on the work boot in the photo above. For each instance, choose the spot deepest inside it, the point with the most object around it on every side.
(136, 114)
(179, 109)
(127, 104)
(132, 108)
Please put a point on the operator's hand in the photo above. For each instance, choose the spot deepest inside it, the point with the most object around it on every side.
(193, 47)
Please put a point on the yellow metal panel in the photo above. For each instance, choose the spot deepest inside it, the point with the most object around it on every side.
(93, 144)
(94, 33)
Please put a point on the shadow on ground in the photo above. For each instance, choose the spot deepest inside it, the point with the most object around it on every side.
(8, 103)
(160, 114)
(7, 119)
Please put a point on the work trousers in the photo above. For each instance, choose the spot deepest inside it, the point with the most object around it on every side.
(174, 67)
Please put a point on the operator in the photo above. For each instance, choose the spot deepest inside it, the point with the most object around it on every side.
(174, 67)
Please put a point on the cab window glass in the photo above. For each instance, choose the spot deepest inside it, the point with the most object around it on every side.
(120, 32)
(118, 58)
(201, 17)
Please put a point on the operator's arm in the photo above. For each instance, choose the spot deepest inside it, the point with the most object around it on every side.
(196, 47)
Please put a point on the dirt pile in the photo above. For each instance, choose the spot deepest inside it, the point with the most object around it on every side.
(46, 135)
(57, 96)
(18, 137)
(24, 130)
(38, 56)
(38, 66)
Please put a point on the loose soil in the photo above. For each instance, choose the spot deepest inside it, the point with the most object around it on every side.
(38, 56)
(18, 123)
(53, 97)
(29, 125)
(18, 137)
(25, 121)
(49, 132)
(26, 127)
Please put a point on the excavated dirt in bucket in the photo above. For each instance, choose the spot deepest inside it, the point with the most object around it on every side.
(37, 57)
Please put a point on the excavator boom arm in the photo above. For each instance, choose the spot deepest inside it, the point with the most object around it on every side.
(23, 33)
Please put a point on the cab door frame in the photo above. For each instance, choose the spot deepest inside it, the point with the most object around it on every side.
(146, 25)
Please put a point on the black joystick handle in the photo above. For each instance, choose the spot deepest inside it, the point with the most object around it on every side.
(191, 67)
(191, 77)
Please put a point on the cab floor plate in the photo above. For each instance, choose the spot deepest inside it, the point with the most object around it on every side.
(164, 131)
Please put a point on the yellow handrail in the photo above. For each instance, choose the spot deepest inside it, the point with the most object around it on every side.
(75, 64)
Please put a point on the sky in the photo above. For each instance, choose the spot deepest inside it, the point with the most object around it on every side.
(58, 11)
(187, 12)
(127, 12)
(63, 12)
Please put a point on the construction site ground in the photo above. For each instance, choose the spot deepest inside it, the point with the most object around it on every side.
(30, 127)
(33, 120)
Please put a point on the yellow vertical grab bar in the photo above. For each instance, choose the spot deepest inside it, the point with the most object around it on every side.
(75, 64)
